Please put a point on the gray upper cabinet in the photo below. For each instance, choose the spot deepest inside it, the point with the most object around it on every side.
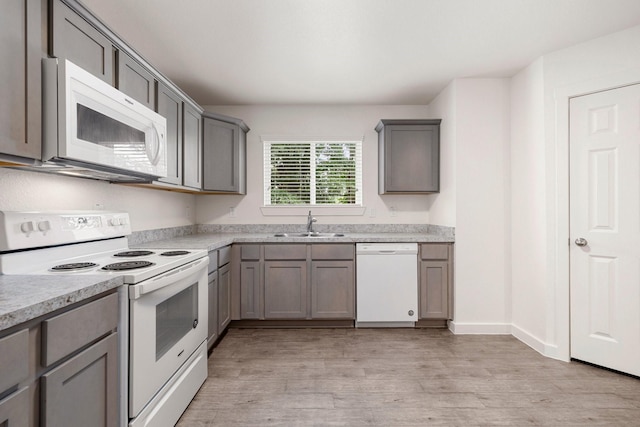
(169, 106)
(224, 152)
(408, 156)
(192, 150)
(21, 50)
(136, 81)
(75, 39)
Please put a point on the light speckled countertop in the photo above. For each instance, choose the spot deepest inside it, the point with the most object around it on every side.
(211, 241)
(23, 298)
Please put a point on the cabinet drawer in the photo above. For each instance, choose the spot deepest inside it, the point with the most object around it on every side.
(340, 251)
(67, 332)
(14, 360)
(434, 251)
(285, 252)
(250, 252)
(224, 255)
(213, 261)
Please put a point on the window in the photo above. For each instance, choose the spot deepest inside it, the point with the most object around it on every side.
(313, 173)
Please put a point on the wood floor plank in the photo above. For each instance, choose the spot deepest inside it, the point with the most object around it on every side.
(401, 377)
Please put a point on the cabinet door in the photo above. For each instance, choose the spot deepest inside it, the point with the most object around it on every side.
(285, 290)
(20, 72)
(224, 297)
(332, 290)
(169, 106)
(212, 319)
(15, 409)
(434, 290)
(251, 306)
(410, 159)
(83, 391)
(135, 81)
(192, 140)
(224, 154)
(73, 38)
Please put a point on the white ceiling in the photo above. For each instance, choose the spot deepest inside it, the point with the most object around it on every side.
(226, 52)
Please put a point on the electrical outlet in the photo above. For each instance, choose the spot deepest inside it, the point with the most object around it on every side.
(232, 212)
(98, 206)
(392, 209)
(372, 212)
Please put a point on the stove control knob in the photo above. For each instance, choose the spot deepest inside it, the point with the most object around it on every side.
(28, 227)
(114, 221)
(44, 226)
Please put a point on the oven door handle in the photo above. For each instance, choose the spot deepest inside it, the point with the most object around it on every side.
(167, 279)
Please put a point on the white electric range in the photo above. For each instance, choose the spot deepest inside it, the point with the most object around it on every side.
(163, 303)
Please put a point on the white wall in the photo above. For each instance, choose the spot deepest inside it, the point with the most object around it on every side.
(316, 121)
(148, 209)
(528, 206)
(442, 206)
(482, 264)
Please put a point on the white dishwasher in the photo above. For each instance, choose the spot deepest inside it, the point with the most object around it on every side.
(386, 284)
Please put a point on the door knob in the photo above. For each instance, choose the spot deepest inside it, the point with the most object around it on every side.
(581, 242)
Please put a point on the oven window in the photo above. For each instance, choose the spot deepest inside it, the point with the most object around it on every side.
(174, 318)
(99, 129)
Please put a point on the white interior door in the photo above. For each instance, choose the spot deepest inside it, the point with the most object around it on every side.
(605, 214)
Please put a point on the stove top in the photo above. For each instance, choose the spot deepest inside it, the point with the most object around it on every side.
(74, 243)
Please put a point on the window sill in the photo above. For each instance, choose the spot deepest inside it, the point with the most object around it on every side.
(315, 210)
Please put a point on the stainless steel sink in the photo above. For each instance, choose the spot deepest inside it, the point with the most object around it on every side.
(313, 234)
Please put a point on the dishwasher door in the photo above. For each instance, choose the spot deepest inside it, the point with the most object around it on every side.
(386, 284)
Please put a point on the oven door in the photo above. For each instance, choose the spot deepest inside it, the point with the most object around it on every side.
(168, 321)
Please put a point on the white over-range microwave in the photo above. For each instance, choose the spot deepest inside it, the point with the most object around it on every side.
(93, 130)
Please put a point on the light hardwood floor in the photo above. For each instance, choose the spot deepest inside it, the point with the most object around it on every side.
(401, 377)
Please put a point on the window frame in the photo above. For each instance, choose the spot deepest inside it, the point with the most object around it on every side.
(357, 208)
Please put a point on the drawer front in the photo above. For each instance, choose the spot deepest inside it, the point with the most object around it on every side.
(213, 261)
(331, 251)
(250, 252)
(14, 359)
(224, 255)
(67, 332)
(285, 252)
(434, 251)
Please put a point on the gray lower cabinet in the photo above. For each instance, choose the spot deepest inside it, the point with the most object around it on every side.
(75, 39)
(169, 106)
(332, 290)
(285, 290)
(15, 409)
(297, 281)
(251, 305)
(224, 297)
(83, 391)
(408, 156)
(136, 81)
(21, 50)
(192, 148)
(62, 369)
(212, 319)
(435, 293)
(224, 147)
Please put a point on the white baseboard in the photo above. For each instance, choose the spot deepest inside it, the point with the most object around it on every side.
(480, 328)
(529, 339)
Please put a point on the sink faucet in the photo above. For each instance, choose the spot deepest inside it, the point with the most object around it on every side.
(310, 221)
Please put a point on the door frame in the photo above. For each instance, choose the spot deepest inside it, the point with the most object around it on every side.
(558, 316)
